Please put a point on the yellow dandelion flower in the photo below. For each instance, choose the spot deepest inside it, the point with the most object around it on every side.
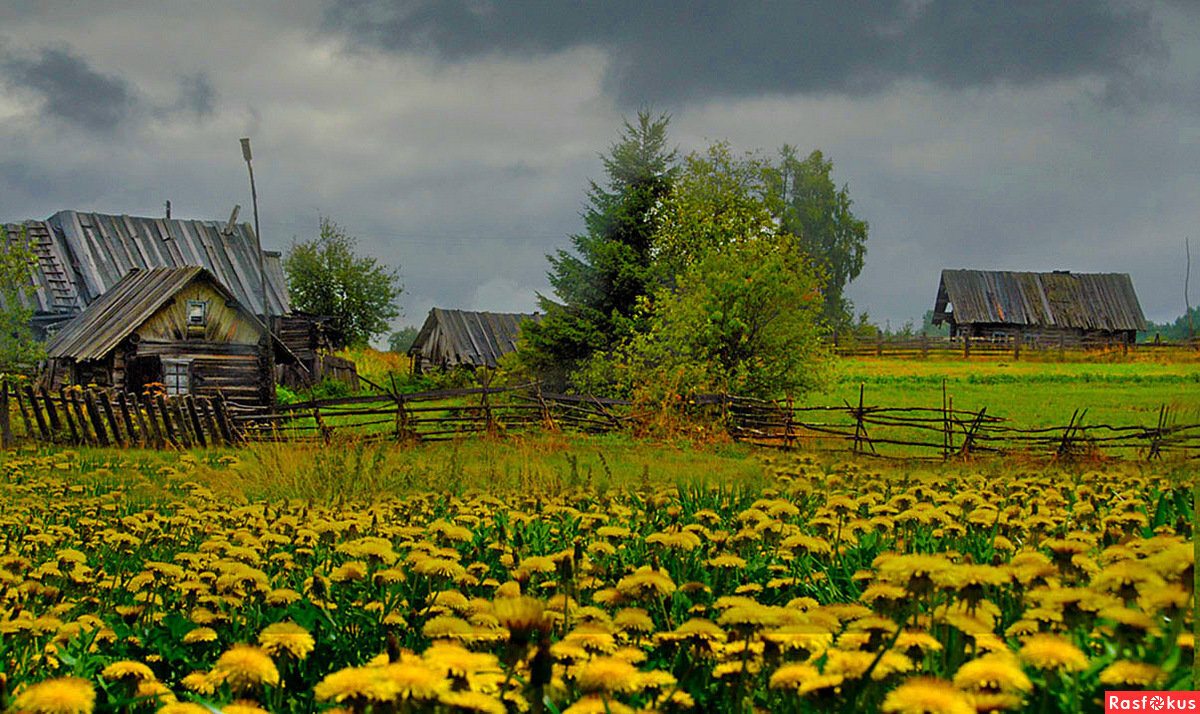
(593, 638)
(853, 664)
(282, 597)
(826, 684)
(596, 704)
(127, 670)
(200, 634)
(355, 684)
(993, 673)
(244, 667)
(682, 540)
(791, 676)
(1053, 652)
(289, 637)
(243, 706)
(67, 695)
(414, 681)
(646, 582)
(607, 674)
(1127, 673)
(466, 701)
(198, 682)
(926, 695)
(183, 708)
(154, 691)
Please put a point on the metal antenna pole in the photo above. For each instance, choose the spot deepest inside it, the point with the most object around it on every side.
(262, 273)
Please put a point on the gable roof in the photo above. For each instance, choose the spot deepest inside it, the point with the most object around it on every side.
(125, 307)
(83, 255)
(1089, 301)
(454, 337)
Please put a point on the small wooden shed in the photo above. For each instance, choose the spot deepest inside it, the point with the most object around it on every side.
(464, 338)
(179, 327)
(1098, 307)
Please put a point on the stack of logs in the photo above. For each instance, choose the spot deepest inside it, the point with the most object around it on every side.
(98, 417)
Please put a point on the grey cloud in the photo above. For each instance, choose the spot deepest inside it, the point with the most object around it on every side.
(197, 95)
(71, 89)
(663, 53)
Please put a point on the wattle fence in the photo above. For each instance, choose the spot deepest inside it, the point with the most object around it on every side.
(96, 417)
(1005, 346)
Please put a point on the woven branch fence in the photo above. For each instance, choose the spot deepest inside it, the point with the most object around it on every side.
(1009, 347)
(98, 417)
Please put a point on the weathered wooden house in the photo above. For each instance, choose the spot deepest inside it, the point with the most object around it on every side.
(178, 327)
(463, 338)
(1095, 307)
(81, 256)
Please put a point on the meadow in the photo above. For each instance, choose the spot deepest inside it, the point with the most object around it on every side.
(578, 574)
(550, 572)
(1030, 392)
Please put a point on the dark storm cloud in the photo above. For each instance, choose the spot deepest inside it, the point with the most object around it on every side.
(197, 95)
(733, 48)
(70, 89)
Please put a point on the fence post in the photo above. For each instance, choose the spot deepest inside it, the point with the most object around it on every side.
(70, 419)
(924, 345)
(180, 420)
(223, 422)
(55, 424)
(93, 413)
(6, 435)
(878, 344)
(168, 428)
(205, 407)
(190, 402)
(966, 346)
(37, 414)
(155, 432)
(29, 431)
(135, 436)
(1017, 346)
(106, 406)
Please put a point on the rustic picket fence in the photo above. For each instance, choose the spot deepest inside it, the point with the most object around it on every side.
(101, 418)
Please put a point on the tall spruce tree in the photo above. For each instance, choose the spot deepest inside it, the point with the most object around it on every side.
(598, 283)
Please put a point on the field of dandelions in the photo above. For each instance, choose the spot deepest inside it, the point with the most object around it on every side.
(822, 587)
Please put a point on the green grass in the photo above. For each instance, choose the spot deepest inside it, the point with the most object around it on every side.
(1029, 393)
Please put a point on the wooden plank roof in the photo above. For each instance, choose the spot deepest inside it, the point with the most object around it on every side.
(453, 337)
(123, 308)
(1089, 301)
(83, 255)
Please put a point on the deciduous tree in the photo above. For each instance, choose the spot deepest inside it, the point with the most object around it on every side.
(327, 277)
(819, 213)
(18, 348)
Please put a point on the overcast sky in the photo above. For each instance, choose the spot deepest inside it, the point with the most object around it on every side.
(455, 139)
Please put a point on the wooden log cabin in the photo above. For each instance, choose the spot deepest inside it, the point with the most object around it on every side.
(179, 327)
(1096, 308)
(82, 256)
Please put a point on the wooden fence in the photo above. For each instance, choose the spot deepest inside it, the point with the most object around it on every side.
(101, 418)
(948, 433)
(1008, 346)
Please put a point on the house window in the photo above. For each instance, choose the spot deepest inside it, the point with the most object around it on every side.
(197, 313)
(175, 377)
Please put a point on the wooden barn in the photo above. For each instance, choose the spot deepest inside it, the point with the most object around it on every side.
(462, 338)
(81, 256)
(179, 327)
(1094, 307)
